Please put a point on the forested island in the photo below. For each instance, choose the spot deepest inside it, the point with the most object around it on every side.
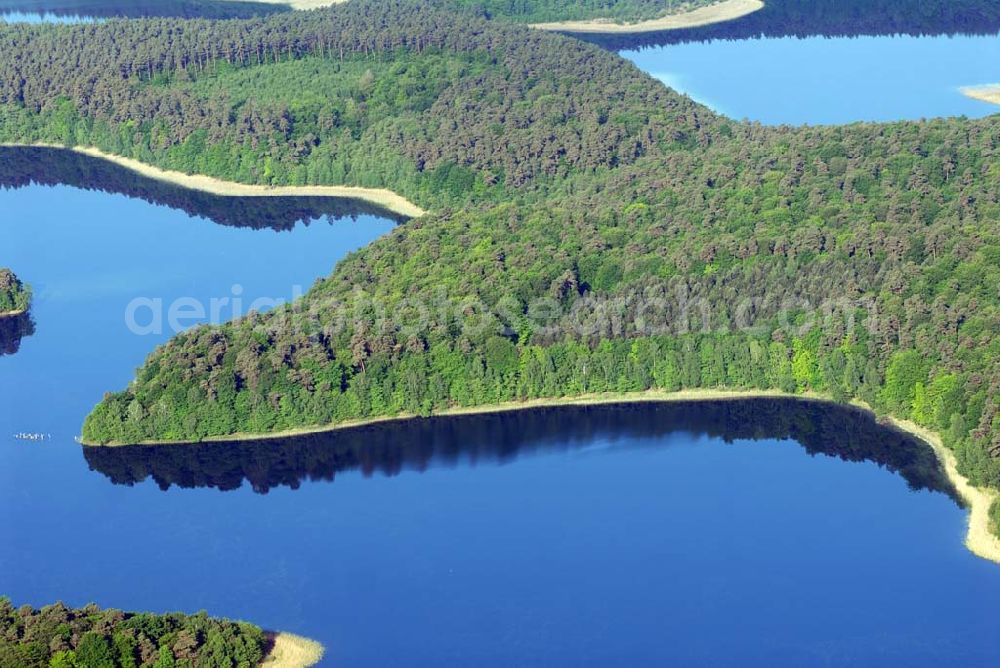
(61, 637)
(15, 296)
(590, 230)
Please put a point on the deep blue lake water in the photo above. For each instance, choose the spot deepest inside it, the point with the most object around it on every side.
(735, 534)
(747, 534)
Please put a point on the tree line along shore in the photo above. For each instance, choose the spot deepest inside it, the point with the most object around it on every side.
(385, 199)
(982, 536)
(586, 15)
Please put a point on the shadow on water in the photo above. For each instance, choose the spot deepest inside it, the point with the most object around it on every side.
(830, 18)
(389, 448)
(21, 167)
(13, 328)
(208, 9)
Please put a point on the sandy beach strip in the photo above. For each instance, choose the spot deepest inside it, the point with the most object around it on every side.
(703, 16)
(386, 199)
(979, 540)
(985, 93)
(300, 4)
(580, 400)
(292, 651)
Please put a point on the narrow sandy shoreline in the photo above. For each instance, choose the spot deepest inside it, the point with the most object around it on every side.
(302, 4)
(703, 16)
(581, 400)
(292, 651)
(386, 199)
(985, 93)
(11, 314)
(979, 540)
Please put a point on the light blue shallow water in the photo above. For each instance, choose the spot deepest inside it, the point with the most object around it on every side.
(820, 80)
(43, 17)
(88, 255)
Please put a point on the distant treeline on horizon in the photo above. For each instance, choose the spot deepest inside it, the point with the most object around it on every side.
(188, 9)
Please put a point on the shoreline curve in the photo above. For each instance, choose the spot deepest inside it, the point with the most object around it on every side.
(979, 539)
(703, 16)
(382, 197)
(291, 651)
(485, 409)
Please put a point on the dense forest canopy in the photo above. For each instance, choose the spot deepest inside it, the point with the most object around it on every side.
(592, 231)
(15, 296)
(60, 637)
(444, 109)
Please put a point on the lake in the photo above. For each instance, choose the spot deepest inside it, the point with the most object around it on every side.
(824, 80)
(830, 61)
(764, 532)
(755, 532)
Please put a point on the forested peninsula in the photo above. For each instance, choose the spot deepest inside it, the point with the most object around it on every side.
(590, 230)
(61, 637)
(15, 296)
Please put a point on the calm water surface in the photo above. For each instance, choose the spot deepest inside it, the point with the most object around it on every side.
(75, 11)
(818, 80)
(757, 533)
(43, 17)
